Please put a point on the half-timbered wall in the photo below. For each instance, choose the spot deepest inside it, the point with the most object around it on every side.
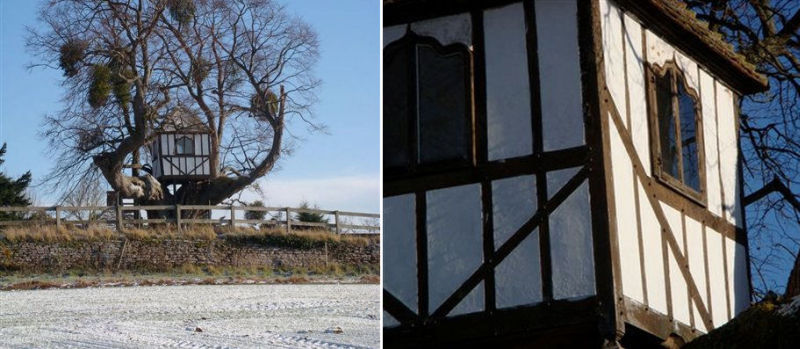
(169, 162)
(512, 229)
(678, 257)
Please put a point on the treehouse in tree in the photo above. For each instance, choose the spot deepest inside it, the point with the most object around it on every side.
(180, 149)
(560, 173)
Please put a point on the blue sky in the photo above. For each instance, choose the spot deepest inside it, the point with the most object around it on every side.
(338, 170)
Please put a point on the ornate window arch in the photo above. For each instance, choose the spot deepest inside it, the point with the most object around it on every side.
(184, 146)
(676, 133)
(428, 123)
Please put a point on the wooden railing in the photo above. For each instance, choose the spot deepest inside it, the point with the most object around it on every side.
(116, 215)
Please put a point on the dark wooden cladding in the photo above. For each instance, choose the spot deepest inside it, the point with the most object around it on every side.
(654, 322)
(606, 260)
(407, 11)
(548, 161)
(398, 310)
(422, 253)
(520, 325)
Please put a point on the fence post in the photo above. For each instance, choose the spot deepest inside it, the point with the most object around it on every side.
(118, 209)
(288, 222)
(58, 217)
(178, 217)
(233, 217)
(336, 217)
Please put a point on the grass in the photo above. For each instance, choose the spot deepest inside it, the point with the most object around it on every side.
(192, 275)
(54, 234)
(299, 239)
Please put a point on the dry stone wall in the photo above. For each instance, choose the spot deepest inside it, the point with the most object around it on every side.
(168, 254)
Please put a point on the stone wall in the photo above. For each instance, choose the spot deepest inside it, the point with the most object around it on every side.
(168, 254)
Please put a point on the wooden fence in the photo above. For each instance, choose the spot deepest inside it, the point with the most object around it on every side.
(115, 215)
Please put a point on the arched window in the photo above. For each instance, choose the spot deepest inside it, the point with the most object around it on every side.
(675, 121)
(427, 104)
(184, 146)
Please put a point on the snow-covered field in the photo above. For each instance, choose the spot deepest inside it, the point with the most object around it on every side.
(222, 316)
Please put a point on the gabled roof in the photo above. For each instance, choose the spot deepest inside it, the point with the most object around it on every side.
(669, 18)
(183, 119)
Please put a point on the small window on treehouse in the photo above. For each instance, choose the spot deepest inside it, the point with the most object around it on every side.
(676, 131)
(184, 146)
(427, 113)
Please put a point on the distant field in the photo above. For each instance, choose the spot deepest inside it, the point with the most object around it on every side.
(225, 316)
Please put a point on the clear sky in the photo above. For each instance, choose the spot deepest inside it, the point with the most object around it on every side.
(339, 170)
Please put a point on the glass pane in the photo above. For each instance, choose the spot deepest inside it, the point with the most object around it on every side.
(571, 250)
(455, 239)
(666, 126)
(691, 172)
(396, 143)
(442, 105)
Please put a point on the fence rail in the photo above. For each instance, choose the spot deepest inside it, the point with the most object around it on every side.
(177, 214)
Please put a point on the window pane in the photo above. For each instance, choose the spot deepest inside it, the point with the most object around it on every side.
(666, 126)
(396, 144)
(691, 173)
(442, 105)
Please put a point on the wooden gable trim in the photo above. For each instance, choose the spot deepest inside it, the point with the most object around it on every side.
(689, 35)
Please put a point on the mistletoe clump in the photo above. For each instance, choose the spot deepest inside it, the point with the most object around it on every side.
(70, 55)
(100, 87)
(182, 11)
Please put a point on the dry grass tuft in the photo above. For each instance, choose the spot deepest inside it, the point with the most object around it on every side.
(53, 234)
(170, 232)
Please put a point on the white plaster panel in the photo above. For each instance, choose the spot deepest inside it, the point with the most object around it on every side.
(707, 99)
(571, 251)
(508, 107)
(559, 74)
(518, 279)
(627, 232)
(728, 152)
(472, 303)
(447, 30)
(654, 262)
(198, 144)
(164, 144)
(400, 261)
(389, 320)
(658, 51)
(455, 239)
(393, 33)
(636, 90)
(189, 165)
(741, 285)
(716, 277)
(513, 204)
(613, 56)
(678, 285)
(694, 246)
(206, 144)
(689, 69)
(205, 168)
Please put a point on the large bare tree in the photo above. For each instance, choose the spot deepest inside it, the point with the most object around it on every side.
(767, 33)
(244, 67)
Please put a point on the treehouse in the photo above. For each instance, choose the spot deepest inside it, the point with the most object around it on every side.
(560, 173)
(181, 150)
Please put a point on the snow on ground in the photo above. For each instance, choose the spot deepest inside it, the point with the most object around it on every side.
(230, 316)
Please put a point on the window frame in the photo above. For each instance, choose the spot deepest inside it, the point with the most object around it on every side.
(677, 184)
(184, 152)
(408, 45)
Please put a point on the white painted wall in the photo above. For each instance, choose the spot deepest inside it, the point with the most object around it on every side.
(623, 52)
(455, 241)
(400, 261)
